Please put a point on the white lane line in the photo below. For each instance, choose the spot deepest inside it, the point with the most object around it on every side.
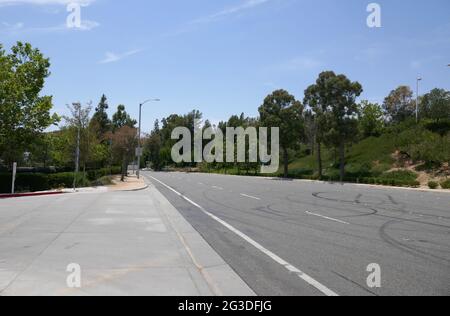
(250, 197)
(319, 286)
(217, 188)
(329, 218)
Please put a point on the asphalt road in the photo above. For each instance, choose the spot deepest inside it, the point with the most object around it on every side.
(311, 238)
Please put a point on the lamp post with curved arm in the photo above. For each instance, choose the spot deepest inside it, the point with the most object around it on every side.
(139, 150)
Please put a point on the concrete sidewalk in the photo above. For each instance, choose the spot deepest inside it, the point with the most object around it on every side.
(126, 243)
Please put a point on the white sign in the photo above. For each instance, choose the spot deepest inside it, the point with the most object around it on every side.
(139, 152)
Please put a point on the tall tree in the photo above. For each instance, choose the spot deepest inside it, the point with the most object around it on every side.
(333, 99)
(152, 148)
(100, 119)
(79, 121)
(343, 115)
(371, 119)
(435, 105)
(24, 113)
(317, 98)
(124, 142)
(121, 118)
(399, 104)
(281, 109)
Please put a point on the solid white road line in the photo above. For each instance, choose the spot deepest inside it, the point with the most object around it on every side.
(319, 286)
(329, 218)
(250, 197)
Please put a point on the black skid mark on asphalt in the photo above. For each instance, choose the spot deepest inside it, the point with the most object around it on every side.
(407, 248)
(355, 283)
(398, 209)
(393, 201)
(358, 199)
(248, 212)
(354, 202)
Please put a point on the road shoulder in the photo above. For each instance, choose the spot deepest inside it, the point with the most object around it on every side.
(221, 278)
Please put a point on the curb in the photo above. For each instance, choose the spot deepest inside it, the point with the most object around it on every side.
(19, 195)
(220, 277)
(136, 190)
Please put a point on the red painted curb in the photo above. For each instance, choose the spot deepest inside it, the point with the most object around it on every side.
(9, 196)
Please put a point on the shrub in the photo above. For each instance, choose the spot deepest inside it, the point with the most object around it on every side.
(61, 180)
(401, 175)
(5, 182)
(103, 181)
(446, 184)
(433, 185)
(31, 182)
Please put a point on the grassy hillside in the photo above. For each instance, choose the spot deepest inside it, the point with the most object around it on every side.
(370, 157)
(401, 158)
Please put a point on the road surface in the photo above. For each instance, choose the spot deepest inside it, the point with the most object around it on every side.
(312, 238)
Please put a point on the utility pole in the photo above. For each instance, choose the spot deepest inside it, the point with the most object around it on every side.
(417, 99)
(77, 159)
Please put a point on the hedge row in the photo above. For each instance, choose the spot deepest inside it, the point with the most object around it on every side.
(32, 182)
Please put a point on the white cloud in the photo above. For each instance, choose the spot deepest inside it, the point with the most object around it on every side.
(44, 2)
(192, 25)
(111, 57)
(246, 5)
(20, 28)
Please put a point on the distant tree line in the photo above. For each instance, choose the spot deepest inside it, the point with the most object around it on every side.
(330, 118)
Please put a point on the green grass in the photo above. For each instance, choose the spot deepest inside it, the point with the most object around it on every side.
(370, 157)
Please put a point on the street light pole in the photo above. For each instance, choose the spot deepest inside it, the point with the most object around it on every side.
(139, 150)
(417, 99)
(77, 158)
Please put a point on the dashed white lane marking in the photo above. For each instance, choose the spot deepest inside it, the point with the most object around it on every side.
(319, 286)
(250, 197)
(217, 188)
(329, 218)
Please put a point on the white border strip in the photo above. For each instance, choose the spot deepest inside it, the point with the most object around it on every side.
(250, 197)
(319, 286)
(329, 218)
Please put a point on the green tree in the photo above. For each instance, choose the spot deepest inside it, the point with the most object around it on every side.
(280, 109)
(318, 99)
(124, 142)
(24, 113)
(152, 148)
(371, 119)
(435, 105)
(121, 118)
(399, 104)
(333, 98)
(100, 120)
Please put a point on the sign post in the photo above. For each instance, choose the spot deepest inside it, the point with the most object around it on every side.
(14, 177)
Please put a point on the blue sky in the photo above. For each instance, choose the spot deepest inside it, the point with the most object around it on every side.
(224, 56)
